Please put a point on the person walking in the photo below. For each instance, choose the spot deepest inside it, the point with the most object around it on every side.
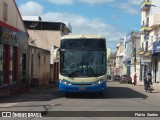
(135, 79)
(147, 80)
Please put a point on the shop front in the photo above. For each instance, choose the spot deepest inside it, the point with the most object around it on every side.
(8, 56)
(145, 63)
(156, 61)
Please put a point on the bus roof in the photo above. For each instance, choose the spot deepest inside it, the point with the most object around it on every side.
(79, 36)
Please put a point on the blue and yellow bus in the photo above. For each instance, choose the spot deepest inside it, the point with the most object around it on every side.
(82, 64)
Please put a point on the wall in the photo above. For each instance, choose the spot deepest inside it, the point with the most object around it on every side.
(14, 18)
(45, 39)
(40, 65)
(14, 22)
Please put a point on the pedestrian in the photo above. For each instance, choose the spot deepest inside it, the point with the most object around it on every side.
(147, 80)
(135, 79)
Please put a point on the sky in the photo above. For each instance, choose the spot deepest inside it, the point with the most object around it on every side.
(111, 18)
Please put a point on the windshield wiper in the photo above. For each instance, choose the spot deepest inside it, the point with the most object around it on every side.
(90, 69)
(72, 74)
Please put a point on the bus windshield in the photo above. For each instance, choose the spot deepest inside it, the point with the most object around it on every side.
(83, 63)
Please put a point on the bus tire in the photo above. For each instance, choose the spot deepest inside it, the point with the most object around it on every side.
(101, 94)
(67, 94)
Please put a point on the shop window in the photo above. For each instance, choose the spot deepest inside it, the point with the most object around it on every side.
(11, 70)
(1, 65)
(5, 11)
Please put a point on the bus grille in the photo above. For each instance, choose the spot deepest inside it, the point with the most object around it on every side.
(81, 84)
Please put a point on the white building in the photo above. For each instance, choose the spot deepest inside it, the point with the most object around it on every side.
(150, 33)
(119, 58)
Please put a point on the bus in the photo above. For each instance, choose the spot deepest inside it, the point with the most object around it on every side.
(83, 64)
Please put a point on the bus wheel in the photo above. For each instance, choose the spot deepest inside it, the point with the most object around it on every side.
(66, 94)
(101, 94)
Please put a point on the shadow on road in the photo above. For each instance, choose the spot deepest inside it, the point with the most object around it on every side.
(111, 93)
(50, 94)
(123, 92)
(37, 95)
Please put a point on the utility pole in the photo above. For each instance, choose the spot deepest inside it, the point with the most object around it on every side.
(135, 59)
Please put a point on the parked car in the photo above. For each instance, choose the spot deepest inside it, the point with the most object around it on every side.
(109, 77)
(126, 79)
(116, 78)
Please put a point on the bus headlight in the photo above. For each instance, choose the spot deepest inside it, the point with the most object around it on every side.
(65, 82)
(99, 81)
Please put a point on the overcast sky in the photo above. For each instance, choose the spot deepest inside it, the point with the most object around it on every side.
(112, 18)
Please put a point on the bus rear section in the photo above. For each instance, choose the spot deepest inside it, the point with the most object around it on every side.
(82, 64)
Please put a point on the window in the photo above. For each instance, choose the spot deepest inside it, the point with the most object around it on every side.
(142, 46)
(5, 10)
(146, 45)
(147, 22)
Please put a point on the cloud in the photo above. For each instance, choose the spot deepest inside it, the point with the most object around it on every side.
(127, 7)
(62, 2)
(79, 23)
(31, 8)
(96, 1)
(83, 25)
(135, 2)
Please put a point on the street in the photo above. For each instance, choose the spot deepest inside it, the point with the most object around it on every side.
(119, 97)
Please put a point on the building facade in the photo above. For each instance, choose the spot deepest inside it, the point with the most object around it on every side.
(46, 36)
(108, 61)
(119, 59)
(150, 33)
(13, 44)
(131, 57)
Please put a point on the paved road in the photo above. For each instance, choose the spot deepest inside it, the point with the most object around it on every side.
(119, 97)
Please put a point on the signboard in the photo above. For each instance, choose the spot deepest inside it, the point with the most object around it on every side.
(156, 47)
(146, 60)
(8, 37)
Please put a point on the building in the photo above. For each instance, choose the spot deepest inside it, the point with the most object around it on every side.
(13, 45)
(131, 57)
(111, 63)
(46, 36)
(108, 61)
(150, 34)
(119, 59)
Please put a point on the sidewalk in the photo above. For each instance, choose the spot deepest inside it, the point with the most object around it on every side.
(9, 93)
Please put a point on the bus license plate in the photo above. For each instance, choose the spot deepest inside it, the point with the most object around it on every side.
(81, 88)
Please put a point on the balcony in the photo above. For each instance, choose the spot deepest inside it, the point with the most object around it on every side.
(145, 28)
(145, 5)
(154, 21)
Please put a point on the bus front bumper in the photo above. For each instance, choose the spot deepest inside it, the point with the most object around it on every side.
(82, 88)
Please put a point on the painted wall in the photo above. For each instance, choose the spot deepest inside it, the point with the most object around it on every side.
(14, 18)
(39, 65)
(15, 23)
(45, 39)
